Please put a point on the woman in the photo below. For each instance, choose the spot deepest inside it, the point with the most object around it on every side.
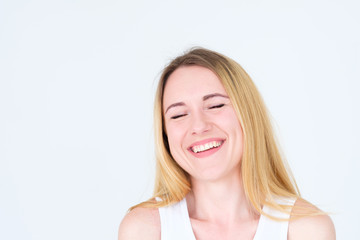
(219, 171)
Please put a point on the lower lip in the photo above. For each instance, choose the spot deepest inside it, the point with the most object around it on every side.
(207, 152)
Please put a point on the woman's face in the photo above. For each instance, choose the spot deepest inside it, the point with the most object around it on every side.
(204, 133)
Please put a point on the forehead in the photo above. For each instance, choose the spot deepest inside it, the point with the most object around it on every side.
(191, 82)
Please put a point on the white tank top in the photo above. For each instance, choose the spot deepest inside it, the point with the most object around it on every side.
(176, 225)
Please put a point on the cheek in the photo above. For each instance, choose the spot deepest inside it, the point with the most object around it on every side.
(233, 126)
(230, 121)
(175, 136)
(175, 145)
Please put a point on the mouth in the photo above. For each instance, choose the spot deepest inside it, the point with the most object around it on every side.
(206, 147)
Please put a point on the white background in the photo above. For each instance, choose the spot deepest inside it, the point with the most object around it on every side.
(77, 80)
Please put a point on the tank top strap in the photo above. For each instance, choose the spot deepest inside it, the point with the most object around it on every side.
(175, 222)
(270, 229)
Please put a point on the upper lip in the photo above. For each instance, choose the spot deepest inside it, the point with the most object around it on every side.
(202, 142)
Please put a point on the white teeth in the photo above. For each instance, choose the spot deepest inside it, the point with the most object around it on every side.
(207, 146)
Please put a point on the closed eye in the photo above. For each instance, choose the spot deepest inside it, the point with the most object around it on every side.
(217, 106)
(178, 116)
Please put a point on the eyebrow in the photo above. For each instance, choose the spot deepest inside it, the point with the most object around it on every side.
(206, 97)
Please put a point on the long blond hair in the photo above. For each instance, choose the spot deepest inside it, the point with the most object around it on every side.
(264, 171)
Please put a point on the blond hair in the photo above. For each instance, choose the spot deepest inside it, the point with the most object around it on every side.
(264, 171)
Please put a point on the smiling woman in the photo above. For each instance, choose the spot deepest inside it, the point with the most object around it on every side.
(205, 118)
(219, 171)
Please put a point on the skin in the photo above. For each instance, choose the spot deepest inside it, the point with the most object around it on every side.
(197, 120)
(217, 204)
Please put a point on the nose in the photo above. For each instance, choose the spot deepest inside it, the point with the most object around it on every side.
(200, 123)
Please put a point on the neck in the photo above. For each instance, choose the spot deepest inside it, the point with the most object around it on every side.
(223, 200)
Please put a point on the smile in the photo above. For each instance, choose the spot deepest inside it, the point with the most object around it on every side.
(206, 146)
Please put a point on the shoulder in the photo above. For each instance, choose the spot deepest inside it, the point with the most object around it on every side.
(140, 223)
(318, 227)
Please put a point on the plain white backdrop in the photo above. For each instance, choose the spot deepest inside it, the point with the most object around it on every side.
(77, 81)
